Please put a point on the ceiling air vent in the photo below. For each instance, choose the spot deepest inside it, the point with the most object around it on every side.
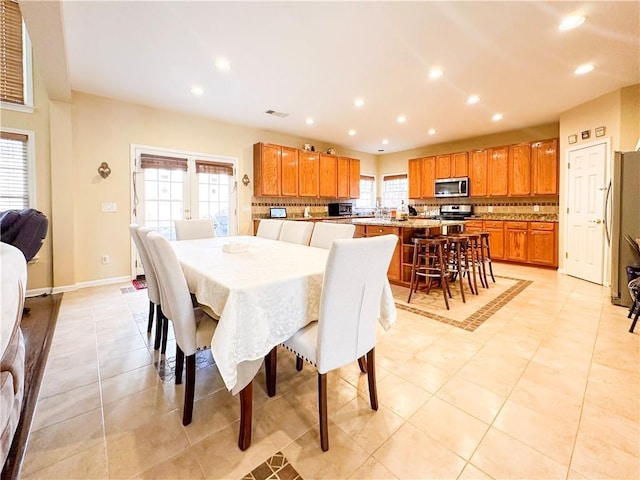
(277, 114)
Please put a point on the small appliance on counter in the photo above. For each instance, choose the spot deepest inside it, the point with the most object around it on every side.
(278, 212)
(412, 211)
(340, 209)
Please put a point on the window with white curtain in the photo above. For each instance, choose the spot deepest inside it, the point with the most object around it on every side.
(395, 189)
(17, 176)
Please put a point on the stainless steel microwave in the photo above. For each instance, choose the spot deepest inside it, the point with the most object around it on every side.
(452, 187)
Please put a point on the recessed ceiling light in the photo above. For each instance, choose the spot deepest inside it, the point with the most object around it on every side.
(572, 21)
(352, 132)
(385, 142)
(432, 131)
(309, 121)
(358, 102)
(223, 64)
(435, 73)
(497, 117)
(473, 99)
(196, 90)
(401, 119)
(582, 69)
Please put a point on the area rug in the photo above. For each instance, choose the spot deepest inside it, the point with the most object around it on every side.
(467, 315)
(274, 468)
(139, 283)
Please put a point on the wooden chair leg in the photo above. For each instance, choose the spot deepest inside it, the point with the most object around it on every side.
(362, 363)
(189, 390)
(165, 332)
(299, 364)
(371, 377)
(635, 320)
(150, 323)
(270, 364)
(179, 364)
(246, 414)
(159, 321)
(322, 411)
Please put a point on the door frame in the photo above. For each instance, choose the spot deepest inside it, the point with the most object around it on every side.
(135, 147)
(608, 167)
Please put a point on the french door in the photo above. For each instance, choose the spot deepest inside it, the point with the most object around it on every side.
(171, 185)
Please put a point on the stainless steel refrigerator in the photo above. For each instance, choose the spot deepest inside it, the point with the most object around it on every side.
(623, 217)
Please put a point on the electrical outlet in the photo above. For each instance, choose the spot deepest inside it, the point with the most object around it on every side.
(490, 209)
(105, 259)
(536, 208)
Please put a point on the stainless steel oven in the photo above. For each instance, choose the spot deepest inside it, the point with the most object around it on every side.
(452, 187)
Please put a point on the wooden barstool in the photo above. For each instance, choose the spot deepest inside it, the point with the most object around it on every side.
(430, 262)
(486, 255)
(477, 258)
(459, 261)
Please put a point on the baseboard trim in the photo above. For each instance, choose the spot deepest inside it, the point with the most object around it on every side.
(72, 288)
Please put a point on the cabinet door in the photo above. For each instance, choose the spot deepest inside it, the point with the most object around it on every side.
(395, 267)
(266, 170)
(328, 176)
(460, 164)
(516, 241)
(478, 165)
(354, 175)
(443, 166)
(289, 168)
(542, 243)
(428, 177)
(519, 169)
(415, 177)
(496, 238)
(544, 157)
(308, 173)
(343, 177)
(498, 167)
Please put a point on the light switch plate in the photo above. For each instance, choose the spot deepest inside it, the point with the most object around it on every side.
(536, 208)
(490, 209)
(109, 207)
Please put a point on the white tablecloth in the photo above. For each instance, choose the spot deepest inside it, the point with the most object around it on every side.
(262, 296)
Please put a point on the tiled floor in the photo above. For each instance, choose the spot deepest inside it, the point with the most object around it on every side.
(548, 387)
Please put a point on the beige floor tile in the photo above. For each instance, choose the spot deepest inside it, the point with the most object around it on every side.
(494, 370)
(114, 347)
(372, 470)
(66, 405)
(185, 466)
(400, 396)
(472, 472)
(411, 454)
(342, 459)
(305, 393)
(457, 430)
(74, 377)
(210, 414)
(473, 399)
(128, 383)
(421, 373)
(117, 364)
(502, 456)
(594, 458)
(611, 428)
(87, 464)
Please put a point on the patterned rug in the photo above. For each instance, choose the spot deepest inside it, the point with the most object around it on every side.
(274, 468)
(139, 283)
(467, 315)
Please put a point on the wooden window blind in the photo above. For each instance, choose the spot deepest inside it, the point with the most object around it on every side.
(14, 171)
(160, 161)
(11, 55)
(388, 178)
(214, 168)
(367, 178)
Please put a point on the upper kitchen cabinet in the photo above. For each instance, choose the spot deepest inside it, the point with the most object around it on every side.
(308, 173)
(289, 172)
(266, 169)
(498, 166)
(343, 177)
(354, 178)
(422, 176)
(544, 159)
(460, 164)
(519, 169)
(328, 184)
(478, 168)
(443, 166)
(415, 173)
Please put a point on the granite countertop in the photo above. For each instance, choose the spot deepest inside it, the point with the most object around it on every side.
(520, 217)
(413, 222)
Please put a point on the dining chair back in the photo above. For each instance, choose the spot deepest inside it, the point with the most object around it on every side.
(269, 228)
(152, 284)
(296, 232)
(193, 328)
(193, 229)
(325, 233)
(352, 290)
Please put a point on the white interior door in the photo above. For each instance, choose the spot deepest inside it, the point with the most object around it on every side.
(585, 218)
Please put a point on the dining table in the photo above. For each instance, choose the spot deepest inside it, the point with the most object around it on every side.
(262, 292)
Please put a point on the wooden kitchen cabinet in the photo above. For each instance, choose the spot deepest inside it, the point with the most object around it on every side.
(460, 164)
(478, 168)
(328, 176)
(519, 169)
(289, 172)
(354, 178)
(428, 177)
(543, 246)
(414, 173)
(544, 167)
(395, 267)
(343, 179)
(308, 173)
(498, 166)
(496, 238)
(443, 166)
(266, 169)
(516, 241)
(473, 226)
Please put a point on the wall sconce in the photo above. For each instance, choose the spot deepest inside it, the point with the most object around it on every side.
(104, 170)
(245, 180)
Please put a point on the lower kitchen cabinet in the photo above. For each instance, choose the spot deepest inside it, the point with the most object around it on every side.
(543, 244)
(496, 238)
(516, 241)
(395, 267)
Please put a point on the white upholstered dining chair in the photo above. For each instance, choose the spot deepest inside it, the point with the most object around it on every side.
(194, 228)
(325, 233)
(269, 228)
(152, 284)
(193, 328)
(296, 232)
(345, 332)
